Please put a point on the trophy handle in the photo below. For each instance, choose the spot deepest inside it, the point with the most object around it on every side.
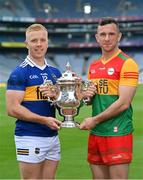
(85, 85)
(53, 88)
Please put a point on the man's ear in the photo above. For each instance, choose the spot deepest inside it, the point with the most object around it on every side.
(26, 44)
(120, 36)
(96, 37)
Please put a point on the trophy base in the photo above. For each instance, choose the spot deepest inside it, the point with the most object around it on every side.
(69, 124)
(68, 121)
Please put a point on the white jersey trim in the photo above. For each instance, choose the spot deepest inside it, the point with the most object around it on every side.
(32, 63)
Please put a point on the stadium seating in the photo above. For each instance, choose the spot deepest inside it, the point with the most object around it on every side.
(77, 61)
(66, 9)
(7, 63)
(69, 9)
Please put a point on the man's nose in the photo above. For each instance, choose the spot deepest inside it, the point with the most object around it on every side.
(38, 42)
(107, 37)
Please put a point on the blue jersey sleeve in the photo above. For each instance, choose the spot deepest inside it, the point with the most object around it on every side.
(16, 80)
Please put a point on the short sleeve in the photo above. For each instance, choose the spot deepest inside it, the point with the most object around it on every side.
(129, 73)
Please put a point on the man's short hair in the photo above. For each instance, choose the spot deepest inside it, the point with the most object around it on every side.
(35, 27)
(108, 20)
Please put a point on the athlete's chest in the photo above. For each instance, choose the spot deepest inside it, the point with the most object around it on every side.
(109, 70)
(36, 76)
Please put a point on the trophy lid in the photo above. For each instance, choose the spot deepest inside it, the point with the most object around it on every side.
(68, 74)
(68, 67)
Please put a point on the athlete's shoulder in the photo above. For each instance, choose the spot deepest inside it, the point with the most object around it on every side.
(21, 68)
(54, 70)
(124, 56)
(24, 64)
(17, 79)
(95, 62)
(53, 67)
(128, 59)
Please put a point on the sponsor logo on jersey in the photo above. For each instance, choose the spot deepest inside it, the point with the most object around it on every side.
(115, 129)
(103, 86)
(110, 71)
(92, 71)
(34, 76)
(102, 68)
(33, 93)
(43, 74)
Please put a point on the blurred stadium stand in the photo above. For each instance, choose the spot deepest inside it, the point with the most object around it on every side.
(69, 8)
(71, 25)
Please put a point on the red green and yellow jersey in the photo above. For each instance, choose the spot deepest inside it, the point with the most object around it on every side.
(120, 70)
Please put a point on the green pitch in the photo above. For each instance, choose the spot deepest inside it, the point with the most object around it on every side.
(73, 164)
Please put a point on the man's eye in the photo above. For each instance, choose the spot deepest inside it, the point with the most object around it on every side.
(111, 34)
(43, 40)
(102, 35)
(34, 40)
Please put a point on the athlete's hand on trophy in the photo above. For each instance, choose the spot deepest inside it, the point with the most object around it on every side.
(49, 90)
(88, 123)
(53, 123)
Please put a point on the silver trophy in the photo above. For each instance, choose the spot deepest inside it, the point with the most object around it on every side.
(69, 88)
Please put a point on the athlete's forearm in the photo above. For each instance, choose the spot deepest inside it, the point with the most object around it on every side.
(113, 110)
(126, 94)
(20, 112)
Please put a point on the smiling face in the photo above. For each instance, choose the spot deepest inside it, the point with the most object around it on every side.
(37, 43)
(108, 36)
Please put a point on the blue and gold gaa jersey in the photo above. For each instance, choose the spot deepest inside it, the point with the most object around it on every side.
(28, 77)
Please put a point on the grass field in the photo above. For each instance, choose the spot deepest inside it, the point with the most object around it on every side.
(73, 164)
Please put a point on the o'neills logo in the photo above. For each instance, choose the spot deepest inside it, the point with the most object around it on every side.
(110, 71)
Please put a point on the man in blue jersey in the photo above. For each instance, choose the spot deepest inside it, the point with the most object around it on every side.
(36, 132)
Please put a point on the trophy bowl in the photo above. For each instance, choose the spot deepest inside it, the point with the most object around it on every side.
(68, 101)
(69, 89)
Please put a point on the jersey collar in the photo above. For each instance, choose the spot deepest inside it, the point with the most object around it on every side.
(32, 63)
(114, 55)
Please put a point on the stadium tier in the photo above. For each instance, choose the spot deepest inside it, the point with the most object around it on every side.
(71, 25)
(71, 29)
(69, 9)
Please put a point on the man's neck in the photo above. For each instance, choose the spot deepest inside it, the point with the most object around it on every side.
(39, 62)
(108, 55)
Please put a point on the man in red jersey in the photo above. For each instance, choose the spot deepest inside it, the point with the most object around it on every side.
(116, 76)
